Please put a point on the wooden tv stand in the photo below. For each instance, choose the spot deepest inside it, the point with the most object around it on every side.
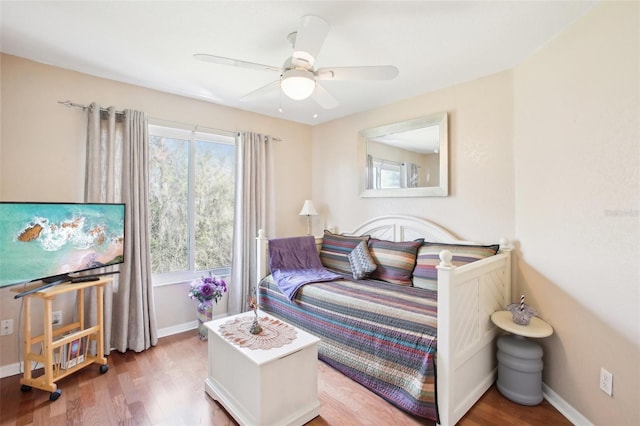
(56, 349)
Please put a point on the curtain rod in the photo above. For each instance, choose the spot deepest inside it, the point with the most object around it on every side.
(195, 127)
(70, 104)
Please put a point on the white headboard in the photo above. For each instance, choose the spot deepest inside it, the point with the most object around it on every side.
(405, 228)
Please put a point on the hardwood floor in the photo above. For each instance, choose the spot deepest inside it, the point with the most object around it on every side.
(165, 386)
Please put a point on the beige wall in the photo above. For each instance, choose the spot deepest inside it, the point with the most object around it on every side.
(577, 159)
(547, 154)
(480, 162)
(42, 155)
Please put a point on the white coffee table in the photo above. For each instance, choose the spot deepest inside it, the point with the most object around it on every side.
(277, 386)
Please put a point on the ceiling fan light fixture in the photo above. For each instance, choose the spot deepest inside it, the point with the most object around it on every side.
(298, 84)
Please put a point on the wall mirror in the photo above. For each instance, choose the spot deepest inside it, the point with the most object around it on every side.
(406, 159)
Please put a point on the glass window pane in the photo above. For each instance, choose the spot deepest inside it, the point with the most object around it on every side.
(214, 204)
(168, 196)
(389, 179)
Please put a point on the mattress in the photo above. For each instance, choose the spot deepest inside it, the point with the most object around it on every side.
(381, 335)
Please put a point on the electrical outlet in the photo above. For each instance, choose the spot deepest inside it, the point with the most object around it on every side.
(56, 317)
(606, 382)
(6, 327)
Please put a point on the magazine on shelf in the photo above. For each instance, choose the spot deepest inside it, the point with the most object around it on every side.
(71, 354)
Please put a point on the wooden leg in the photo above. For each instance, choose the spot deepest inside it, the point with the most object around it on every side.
(26, 336)
(100, 306)
(48, 340)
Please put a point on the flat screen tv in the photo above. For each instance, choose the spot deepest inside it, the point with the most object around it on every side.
(52, 241)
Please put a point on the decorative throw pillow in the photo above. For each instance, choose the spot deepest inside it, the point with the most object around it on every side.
(335, 251)
(395, 260)
(361, 261)
(425, 275)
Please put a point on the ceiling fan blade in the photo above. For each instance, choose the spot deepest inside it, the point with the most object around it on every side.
(382, 72)
(312, 32)
(261, 91)
(234, 62)
(324, 98)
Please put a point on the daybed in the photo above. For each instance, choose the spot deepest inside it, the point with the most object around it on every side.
(392, 336)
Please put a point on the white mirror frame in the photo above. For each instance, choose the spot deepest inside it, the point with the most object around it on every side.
(442, 190)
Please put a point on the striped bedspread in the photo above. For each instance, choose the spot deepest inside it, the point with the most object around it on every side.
(380, 335)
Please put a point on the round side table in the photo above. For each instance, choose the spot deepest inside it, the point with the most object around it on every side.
(520, 359)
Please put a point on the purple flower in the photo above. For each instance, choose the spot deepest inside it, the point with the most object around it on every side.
(206, 289)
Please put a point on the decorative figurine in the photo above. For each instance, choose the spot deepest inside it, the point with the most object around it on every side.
(255, 326)
(521, 313)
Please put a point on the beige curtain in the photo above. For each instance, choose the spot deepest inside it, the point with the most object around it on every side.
(117, 171)
(253, 189)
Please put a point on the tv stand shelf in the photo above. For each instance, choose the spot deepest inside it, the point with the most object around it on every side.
(66, 349)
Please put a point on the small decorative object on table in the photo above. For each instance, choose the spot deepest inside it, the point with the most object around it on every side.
(206, 290)
(255, 326)
(521, 313)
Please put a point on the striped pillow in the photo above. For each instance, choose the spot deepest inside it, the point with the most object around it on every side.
(395, 260)
(362, 264)
(425, 275)
(335, 251)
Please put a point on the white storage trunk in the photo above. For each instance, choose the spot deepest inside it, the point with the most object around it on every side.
(259, 387)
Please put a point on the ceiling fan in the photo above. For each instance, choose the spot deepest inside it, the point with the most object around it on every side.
(298, 78)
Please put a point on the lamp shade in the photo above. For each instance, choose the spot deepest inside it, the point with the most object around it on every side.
(298, 84)
(308, 209)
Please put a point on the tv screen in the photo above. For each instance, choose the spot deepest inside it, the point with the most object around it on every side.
(49, 241)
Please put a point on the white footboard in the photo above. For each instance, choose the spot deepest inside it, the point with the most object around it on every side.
(466, 361)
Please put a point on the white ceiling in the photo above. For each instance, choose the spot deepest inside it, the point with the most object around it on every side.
(435, 44)
(425, 140)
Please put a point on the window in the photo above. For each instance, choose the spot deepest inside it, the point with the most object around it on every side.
(386, 174)
(191, 203)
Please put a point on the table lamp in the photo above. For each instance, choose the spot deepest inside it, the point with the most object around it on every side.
(308, 210)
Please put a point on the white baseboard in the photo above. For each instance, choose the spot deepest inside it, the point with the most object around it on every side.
(179, 328)
(573, 415)
(16, 368)
(10, 370)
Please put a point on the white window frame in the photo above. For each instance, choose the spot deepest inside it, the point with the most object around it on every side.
(379, 166)
(191, 135)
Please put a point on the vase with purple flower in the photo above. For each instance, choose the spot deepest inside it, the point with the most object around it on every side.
(207, 291)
